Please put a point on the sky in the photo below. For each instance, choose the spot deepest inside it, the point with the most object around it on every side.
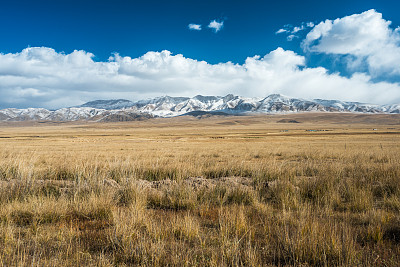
(61, 53)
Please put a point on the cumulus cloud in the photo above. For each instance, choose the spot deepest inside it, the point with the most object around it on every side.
(366, 38)
(195, 27)
(42, 77)
(216, 26)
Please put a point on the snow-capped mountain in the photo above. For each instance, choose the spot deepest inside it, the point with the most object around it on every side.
(166, 106)
(174, 106)
(71, 114)
(108, 104)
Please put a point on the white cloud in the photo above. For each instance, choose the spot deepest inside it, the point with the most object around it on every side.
(280, 31)
(297, 29)
(41, 77)
(367, 37)
(293, 31)
(291, 37)
(195, 27)
(310, 24)
(215, 25)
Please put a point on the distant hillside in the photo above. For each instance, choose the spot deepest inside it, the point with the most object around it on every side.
(166, 106)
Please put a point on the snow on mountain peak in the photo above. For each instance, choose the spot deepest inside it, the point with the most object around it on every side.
(167, 106)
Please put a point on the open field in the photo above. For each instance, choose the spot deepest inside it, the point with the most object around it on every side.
(302, 189)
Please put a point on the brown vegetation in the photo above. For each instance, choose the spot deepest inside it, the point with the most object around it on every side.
(212, 192)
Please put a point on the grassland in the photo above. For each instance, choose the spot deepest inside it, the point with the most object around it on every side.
(212, 192)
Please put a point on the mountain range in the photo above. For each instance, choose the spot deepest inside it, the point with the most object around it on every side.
(166, 106)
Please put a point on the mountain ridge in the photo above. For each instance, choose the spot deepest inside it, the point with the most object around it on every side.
(167, 106)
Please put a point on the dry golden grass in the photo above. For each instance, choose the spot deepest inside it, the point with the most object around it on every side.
(268, 193)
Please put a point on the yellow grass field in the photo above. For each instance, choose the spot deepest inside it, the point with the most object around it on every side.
(218, 191)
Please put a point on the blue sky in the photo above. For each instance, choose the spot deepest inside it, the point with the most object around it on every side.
(49, 31)
(133, 28)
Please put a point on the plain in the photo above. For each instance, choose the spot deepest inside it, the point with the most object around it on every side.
(300, 189)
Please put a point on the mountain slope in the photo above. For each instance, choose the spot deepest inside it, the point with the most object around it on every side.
(166, 106)
(108, 104)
